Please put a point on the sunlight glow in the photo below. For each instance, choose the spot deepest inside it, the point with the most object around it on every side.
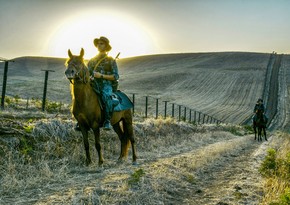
(126, 35)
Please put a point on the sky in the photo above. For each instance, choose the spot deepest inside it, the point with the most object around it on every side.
(139, 27)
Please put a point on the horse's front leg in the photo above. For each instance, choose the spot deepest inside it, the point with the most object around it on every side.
(98, 145)
(86, 144)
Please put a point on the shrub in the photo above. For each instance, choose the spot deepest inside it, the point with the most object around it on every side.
(16, 98)
(53, 106)
(136, 176)
(268, 167)
(276, 170)
(249, 129)
(285, 198)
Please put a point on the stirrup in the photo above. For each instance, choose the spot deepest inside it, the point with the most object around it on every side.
(107, 126)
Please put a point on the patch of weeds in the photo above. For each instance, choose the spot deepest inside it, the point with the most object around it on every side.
(249, 129)
(8, 100)
(190, 179)
(28, 128)
(25, 147)
(268, 166)
(53, 106)
(238, 195)
(16, 98)
(285, 198)
(136, 176)
(37, 102)
(234, 130)
(193, 123)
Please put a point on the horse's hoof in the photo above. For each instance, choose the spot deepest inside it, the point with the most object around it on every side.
(88, 162)
(101, 163)
(121, 160)
(134, 163)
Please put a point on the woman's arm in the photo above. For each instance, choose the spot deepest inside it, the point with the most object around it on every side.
(103, 76)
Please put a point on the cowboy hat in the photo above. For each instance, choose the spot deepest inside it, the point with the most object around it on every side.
(105, 40)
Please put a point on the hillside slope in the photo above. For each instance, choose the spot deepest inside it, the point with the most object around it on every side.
(224, 85)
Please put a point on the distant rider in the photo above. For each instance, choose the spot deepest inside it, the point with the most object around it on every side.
(259, 106)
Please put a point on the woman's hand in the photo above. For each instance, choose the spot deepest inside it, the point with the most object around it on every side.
(97, 74)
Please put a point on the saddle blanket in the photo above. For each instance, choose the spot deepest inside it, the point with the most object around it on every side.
(121, 101)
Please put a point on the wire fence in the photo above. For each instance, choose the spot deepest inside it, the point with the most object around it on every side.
(150, 106)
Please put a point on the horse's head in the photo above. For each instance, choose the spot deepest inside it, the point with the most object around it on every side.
(76, 69)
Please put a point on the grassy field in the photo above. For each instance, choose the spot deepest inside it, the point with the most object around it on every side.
(223, 85)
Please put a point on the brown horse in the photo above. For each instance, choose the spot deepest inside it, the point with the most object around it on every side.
(87, 110)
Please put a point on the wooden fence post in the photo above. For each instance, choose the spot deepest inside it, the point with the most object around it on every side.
(179, 112)
(45, 88)
(156, 108)
(133, 99)
(146, 106)
(4, 84)
(199, 117)
(165, 108)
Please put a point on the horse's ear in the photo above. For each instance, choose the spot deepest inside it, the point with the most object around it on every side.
(82, 53)
(69, 53)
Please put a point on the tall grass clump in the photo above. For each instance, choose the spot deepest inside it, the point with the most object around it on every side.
(276, 171)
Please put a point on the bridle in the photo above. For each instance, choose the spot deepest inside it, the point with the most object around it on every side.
(78, 77)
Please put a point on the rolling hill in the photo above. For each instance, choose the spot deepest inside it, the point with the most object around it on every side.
(225, 85)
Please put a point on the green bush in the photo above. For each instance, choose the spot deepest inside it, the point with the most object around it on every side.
(16, 98)
(234, 130)
(285, 198)
(136, 176)
(53, 106)
(269, 165)
(8, 100)
(249, 129)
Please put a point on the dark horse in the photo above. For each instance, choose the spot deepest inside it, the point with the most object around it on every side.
(261, 124)
(87, 110)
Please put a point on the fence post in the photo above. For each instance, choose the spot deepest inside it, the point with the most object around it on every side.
(172, 110)
(179, 112)
(165, 107)
(133, 99)
(156, 108)
(27, 103)
(146, 106)
(45, 87)
(198, 117)
(184, 113)
(4, 84)
(189, 115)
(203, 118)
(195, 116)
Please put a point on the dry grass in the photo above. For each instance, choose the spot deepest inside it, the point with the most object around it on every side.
(277, 184)
(51, 154)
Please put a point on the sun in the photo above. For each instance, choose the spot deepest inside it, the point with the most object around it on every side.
(126, 35)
